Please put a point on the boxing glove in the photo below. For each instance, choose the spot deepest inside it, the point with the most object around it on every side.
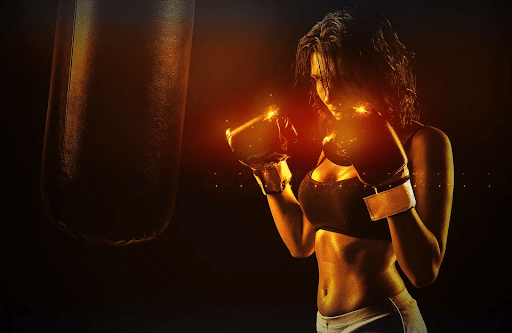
(262, 144)
(367, 141)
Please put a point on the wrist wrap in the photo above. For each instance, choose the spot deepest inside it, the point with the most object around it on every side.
(273, 177)
(391, 202)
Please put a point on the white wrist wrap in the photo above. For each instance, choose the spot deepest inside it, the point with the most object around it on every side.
(273, 177)
(391, 202)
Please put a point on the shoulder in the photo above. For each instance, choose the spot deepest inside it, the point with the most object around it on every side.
(431, 146)
(430, 138)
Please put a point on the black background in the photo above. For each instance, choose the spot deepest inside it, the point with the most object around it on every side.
(220, 263)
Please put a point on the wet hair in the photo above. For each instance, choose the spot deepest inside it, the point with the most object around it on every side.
(362, 49)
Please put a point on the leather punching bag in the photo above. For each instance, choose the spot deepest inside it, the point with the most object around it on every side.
(115, 117)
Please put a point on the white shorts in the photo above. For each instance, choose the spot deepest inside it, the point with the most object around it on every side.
(396, 314)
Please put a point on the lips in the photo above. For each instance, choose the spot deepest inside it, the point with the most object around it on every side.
(339, 113)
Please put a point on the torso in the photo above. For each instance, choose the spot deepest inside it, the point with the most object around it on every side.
(353, 272)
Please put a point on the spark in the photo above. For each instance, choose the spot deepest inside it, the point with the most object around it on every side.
(272, 111)
(361, 107)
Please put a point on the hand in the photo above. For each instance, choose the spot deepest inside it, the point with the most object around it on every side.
(262, 144)
(367, 141)
(262, 140)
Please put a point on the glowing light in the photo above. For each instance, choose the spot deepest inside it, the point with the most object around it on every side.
(361, 107)
(271, 114)
(272, 111)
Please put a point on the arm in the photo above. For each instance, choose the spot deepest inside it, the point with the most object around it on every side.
(419, 235)
(293, 227)
(261, 144)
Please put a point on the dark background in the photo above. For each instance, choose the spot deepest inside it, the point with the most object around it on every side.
(220, 263)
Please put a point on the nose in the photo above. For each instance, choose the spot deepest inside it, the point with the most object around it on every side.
(331, 96)
(327, 96)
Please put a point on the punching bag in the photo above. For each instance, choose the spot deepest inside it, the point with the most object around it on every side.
(115, 117)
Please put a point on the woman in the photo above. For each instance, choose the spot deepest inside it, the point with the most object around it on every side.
(358, 62)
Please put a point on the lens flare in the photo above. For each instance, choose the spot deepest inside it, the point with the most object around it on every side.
(361, 107)
(272, 111)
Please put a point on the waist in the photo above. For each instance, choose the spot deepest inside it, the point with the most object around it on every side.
(402, 300)
(353, 272)
(343, 294)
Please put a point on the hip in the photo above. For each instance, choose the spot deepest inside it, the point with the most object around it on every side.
(398, 313)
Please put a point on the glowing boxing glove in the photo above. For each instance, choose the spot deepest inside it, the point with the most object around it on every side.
(367, 141)
(262, 144)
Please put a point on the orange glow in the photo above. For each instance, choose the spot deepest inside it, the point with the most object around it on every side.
(272, 111)
(361, 107)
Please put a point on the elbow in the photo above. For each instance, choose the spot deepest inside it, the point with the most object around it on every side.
(424, 275)
(426, 278)
(420, 283)
(301, 253)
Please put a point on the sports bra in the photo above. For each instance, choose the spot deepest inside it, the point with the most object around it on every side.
(338, 206)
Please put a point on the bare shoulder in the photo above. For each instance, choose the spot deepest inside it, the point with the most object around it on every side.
(431, 136)
(431, 147)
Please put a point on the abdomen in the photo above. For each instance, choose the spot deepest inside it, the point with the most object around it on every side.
(353, 272)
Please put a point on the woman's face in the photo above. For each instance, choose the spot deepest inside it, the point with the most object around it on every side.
(338, 101)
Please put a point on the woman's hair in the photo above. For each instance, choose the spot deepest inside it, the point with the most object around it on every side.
(361, 49)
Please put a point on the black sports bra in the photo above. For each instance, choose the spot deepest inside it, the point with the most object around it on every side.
(338, 206)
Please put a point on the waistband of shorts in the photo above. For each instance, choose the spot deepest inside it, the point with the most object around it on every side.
(400, 300)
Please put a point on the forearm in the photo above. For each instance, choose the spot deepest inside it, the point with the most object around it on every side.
(417, 249)
(295, 231)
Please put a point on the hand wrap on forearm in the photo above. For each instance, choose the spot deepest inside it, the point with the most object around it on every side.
(391, 202)
(273, 177)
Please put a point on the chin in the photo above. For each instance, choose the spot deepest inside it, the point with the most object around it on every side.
(335, 115)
